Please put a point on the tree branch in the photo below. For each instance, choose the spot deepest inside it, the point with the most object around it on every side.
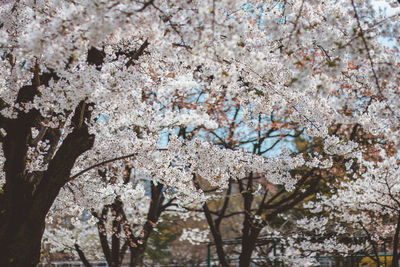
(82, 256)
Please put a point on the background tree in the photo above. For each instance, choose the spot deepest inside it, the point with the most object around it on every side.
(121, 227)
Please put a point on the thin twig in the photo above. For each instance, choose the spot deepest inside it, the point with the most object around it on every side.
(366, 47)
(104, 162)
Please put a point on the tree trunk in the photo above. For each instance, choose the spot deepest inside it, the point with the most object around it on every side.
(26, 197)
(82, 256)
(245, 255)
(249, 233)
(395, 260)
(248, 245)
(137, 255)
(219, 243)
(21, 245)
(155, 209)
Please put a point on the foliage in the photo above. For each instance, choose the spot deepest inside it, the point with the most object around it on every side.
(159, 247)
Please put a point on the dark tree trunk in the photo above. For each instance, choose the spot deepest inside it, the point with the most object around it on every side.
(155, 209)
(137, 255)
(21, 228)
(395, 260)
(249, 232)
(22, 247)
(82, 256)
(114, 255)
(27, 196)
(137, 245)
(219, 243)
(248, 245)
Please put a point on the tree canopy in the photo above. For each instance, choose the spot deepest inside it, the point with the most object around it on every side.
(195, 96)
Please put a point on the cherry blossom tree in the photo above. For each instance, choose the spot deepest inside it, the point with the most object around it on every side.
(57, 93)
(339, 154)
(79, 78)
(123, 225)
(359, 216)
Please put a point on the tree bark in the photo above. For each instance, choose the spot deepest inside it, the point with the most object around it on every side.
(156, 208)
(395, 260)
(219, 243)
(137, 255)
(82, 256)
(214, 227)
(27, 196)
(248, 245)
(249, 232)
